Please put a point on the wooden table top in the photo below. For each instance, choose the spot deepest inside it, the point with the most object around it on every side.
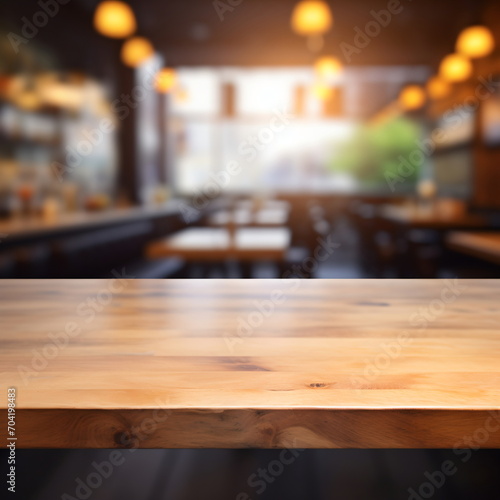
(17, 227)
(209, 244)
(416, 217)
(481, 245)
(251, 363)
(247, 217)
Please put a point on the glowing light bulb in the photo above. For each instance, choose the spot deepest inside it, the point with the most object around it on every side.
(437, 88)
(475, 41)
(328, 67)
(136, 50)
(412, 97)
(455, 68)
(311, 17)
(114, 19)
(166, 80)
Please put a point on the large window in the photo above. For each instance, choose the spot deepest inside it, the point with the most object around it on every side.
(275, 123)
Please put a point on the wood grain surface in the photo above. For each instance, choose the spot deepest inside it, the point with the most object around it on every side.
(251, 363)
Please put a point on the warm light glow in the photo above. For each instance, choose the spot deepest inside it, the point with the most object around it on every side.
(114, 19)
(328, 67)
(412, 98)
(455, 68)
(476, 41)
(437, 88)
(136, 50)
(427, 189)
(63, 96)
(311, 17)
(322, 91)
(166, 80)
(181, 95)
(28, 100)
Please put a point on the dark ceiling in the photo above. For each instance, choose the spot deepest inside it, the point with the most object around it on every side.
(257, 32)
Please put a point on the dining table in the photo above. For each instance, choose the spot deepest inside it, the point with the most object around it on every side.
(208, 244)
(246, 217)
(133, 363)
(417, 233)
(482, 245)
(415, 216)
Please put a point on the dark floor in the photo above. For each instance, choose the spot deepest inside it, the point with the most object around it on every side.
(254, 474)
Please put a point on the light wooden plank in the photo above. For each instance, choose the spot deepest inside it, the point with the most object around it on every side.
(251, 363)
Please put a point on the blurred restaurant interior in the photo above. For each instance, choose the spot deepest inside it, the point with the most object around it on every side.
(238, 138)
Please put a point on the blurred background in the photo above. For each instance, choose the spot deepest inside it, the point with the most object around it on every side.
(276, 138)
